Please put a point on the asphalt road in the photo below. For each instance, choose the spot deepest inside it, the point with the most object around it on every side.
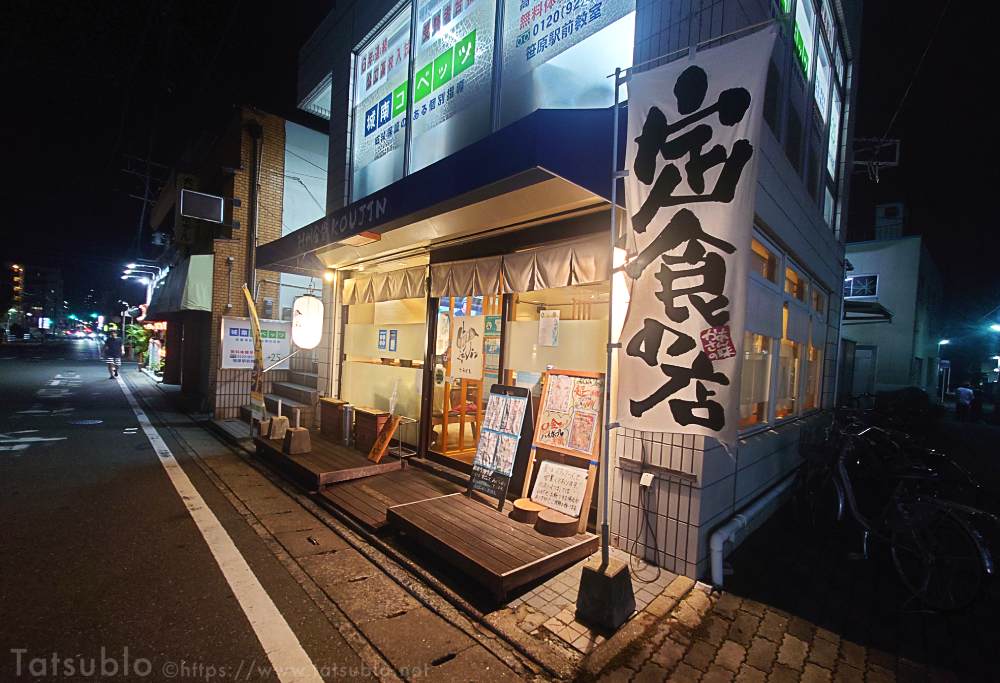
(101, 562)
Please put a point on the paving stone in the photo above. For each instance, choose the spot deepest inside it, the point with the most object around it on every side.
(566, 616)
(827, 635)
(815, 674)
(668, 654)
(650, 673)
(743, 627)
(748, 674)
(374, 598)
(687, 616)
(685, 673)
(698, 601)
(412, 641)
(619, 675)
(761, 654)
(533, 620)
(800, 628)
(712, 629)
(853, 654)
(553, 625)
(679, 587)
(700, 655)
(728, 605)
(845, 673)
(782, 674)
(311, 541)
(343, 565)
(584, 643)
(792, 652)
(472, 664)
(296, 520)
(753, 607)
(661, 605)
(550, 609)
(772, 626)
(717, 674)
(881, 659)
(878, 674)
(731, 656)
(824, 653)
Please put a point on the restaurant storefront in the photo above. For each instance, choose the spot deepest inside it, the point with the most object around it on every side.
(470, 247)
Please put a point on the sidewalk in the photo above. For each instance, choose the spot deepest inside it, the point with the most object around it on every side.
(400, 630)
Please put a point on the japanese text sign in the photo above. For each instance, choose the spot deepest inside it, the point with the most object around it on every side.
(693, 134)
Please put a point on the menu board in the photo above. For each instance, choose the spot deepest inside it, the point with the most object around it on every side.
(570, 413)
(560, 487)
(500, 441)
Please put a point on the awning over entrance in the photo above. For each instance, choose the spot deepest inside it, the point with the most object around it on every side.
(550, 162)
(564, 264)
(858, 312)
(186, 287)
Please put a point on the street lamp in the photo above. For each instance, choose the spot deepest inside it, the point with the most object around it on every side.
(995, 327)
(943, 342)
(137, 266)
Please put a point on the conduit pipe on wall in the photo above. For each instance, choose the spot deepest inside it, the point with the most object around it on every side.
(742, 523)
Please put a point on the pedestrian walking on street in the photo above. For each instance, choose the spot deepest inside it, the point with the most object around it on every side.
(963, 401)
(113, 354)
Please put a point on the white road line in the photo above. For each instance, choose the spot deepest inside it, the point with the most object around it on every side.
(290, 661)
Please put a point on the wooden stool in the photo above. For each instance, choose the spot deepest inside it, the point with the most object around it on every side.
(278, 425)
(296, 441)
(552, 523)
(525, 510)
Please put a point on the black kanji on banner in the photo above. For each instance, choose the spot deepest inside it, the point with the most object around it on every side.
(691, 148)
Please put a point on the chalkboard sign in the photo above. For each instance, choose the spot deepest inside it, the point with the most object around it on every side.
(500, 440)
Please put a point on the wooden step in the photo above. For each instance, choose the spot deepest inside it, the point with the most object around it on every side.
(296, 392)
(308, 379)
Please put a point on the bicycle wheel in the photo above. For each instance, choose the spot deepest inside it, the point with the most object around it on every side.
(937, 557)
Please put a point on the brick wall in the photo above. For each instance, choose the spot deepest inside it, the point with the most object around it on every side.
(229, 389)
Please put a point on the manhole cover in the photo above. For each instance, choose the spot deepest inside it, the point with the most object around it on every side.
(86, 422)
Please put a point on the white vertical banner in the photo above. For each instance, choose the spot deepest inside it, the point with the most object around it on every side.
(693, 136)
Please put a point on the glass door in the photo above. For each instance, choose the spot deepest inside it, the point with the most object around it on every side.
(466, 360)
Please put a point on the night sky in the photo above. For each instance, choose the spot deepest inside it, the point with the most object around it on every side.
(87, 83)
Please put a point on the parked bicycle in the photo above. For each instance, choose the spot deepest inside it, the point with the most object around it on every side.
(896, 492)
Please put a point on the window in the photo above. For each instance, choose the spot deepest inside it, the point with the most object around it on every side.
(805, 20)
(814, 378)
(755, 379)
(829, 204)
(763, 261)
(556, 55)
(787, 385)
(861, 286)
(452, 78)
(821, 87)
(817, 301)
(833, 137)
(795, 284)
(380, 105)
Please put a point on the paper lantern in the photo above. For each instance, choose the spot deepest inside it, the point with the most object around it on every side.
(307, 322)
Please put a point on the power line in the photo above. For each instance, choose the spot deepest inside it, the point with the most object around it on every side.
(916, 72)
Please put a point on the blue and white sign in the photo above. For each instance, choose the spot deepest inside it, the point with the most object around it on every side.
(237, 343)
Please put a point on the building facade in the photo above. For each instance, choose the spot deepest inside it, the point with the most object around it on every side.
(901, 349)
(253, 165)
(470, 177)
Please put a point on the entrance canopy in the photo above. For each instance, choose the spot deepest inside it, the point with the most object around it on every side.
(186, 287)
(858, 312)
(552, 162)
